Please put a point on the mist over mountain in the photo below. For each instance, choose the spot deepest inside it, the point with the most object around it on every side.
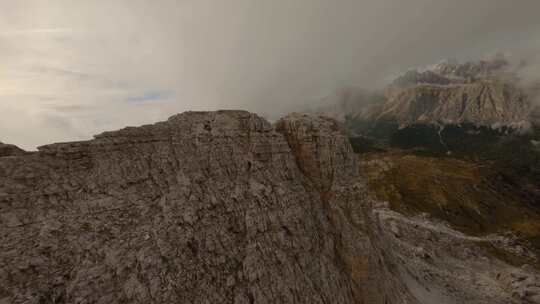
(257, 152)
(71, 69)
(490, 92)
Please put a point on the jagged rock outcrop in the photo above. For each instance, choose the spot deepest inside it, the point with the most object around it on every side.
(222, 207)
(453, 72)
(203, 208)
(330, 165)
(414, 77)
(324, 158)
(10, 150)
(487, 67)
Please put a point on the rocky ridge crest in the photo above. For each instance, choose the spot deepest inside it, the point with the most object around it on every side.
(207, 207)
(10, 150)
(482, 93)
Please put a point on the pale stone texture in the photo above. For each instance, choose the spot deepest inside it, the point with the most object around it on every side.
(491, 103)
(203, 208)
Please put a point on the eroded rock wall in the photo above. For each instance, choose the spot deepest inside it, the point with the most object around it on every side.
(206, 207)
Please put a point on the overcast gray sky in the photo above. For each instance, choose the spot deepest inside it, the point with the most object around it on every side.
(73, 68)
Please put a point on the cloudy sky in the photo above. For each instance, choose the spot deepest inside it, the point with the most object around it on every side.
(73, 68)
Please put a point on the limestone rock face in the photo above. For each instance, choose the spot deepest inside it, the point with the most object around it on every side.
(453, 72)
(206, 207)
(483, 103)
(10, 150)
(485, 93)
(325, 158)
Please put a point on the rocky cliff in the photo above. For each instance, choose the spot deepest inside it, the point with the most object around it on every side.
(482, 103)
(485, 93)
(223, 207)
(203, 208)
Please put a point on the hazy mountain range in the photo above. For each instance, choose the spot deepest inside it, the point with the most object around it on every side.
(483, 93)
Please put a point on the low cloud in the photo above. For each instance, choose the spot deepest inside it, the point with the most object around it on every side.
(150, 96)
(71, 69)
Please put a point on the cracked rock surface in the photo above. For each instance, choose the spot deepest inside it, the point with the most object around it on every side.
(223, 207)
(203, 208)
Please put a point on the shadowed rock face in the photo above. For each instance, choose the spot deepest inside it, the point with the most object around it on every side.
(223, 207)
(10, 150)
(323, 157)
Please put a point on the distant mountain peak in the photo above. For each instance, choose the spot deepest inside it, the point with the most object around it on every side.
(489, 92)
(452, 72)
(484, 93)
(490, 66)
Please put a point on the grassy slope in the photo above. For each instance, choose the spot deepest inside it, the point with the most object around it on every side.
(473, 198)
(489, 183)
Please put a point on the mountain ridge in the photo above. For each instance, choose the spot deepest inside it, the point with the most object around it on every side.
(485, 93)
(226, 207)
